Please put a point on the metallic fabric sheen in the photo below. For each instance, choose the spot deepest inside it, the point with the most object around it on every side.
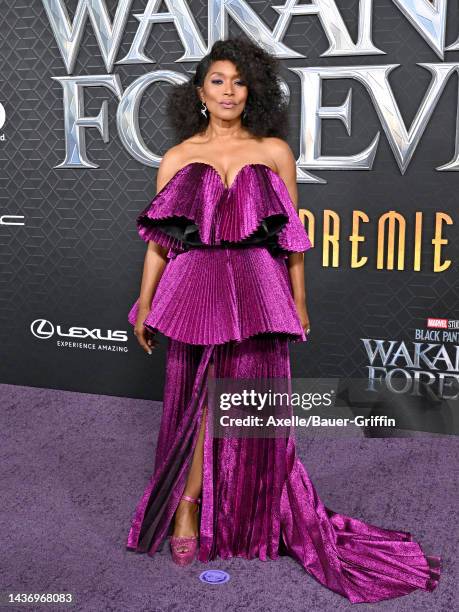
(231, 281)
(228, 313)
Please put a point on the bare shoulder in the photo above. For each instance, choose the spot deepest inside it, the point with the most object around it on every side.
(283, 157)
(170, 164)
(285, 162)
(281, 153)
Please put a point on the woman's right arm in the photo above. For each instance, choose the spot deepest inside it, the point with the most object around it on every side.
(155, 261)
(153, 268)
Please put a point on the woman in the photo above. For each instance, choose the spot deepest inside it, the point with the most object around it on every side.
(223, 279)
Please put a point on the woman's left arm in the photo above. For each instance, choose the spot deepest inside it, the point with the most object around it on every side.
(286, 168)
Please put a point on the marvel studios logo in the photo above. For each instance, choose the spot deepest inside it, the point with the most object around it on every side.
(442, 323)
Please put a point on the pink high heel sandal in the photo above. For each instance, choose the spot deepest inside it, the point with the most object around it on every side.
(183, 548)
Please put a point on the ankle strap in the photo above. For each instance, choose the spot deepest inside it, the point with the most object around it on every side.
(191, 499)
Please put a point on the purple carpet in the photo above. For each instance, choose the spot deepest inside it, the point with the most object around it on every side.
(74, 466)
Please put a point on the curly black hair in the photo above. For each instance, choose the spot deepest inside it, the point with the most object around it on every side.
(265, 108)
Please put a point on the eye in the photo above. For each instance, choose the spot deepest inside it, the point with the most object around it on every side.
(215, 81)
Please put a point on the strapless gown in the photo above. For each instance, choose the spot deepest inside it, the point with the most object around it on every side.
(225, 304)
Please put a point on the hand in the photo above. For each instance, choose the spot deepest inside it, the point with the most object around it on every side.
(303, 315)
(145, 337)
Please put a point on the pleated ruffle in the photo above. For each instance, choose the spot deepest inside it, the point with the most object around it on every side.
(194, 208)
(214, 295)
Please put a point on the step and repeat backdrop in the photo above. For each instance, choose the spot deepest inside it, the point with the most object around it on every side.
(373, 95)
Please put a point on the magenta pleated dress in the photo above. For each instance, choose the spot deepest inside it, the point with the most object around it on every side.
(225, 304)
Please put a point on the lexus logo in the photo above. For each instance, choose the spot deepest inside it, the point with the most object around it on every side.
(44, 329)
(41, 328)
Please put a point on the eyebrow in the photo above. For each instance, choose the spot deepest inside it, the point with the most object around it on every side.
(221, 73)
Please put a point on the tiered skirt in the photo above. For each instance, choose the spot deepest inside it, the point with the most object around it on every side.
(213, 295)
